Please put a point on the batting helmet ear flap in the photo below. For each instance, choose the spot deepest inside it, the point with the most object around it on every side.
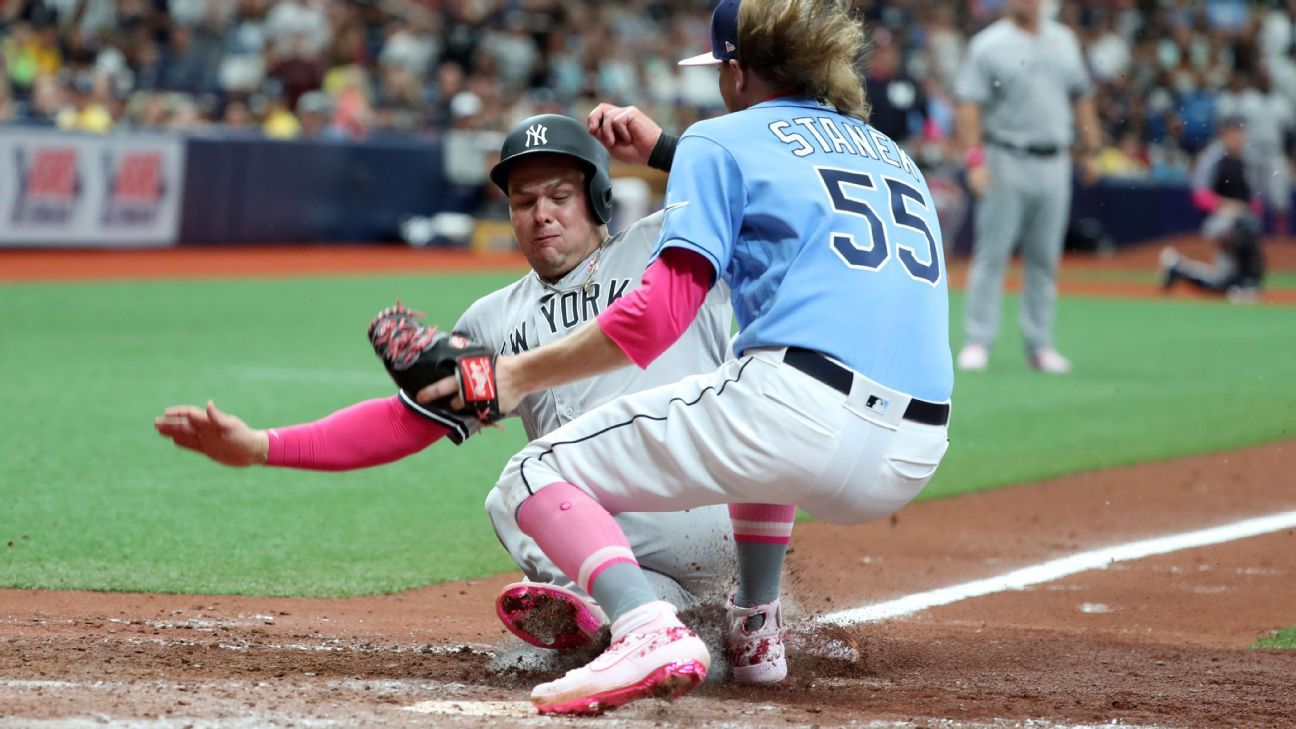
(599, 193)
(557, 134)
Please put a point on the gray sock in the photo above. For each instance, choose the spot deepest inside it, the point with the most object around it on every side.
(622, 588)
(760, 571)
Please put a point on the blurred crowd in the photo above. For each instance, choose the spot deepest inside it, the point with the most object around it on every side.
(1166, 70)
(1165, 73)
(344, 69)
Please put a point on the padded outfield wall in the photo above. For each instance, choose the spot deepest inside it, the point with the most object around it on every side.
(80, 190)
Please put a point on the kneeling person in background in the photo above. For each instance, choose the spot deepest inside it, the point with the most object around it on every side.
(1224, 186)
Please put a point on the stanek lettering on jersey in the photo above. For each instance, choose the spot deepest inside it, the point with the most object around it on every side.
(808, 135)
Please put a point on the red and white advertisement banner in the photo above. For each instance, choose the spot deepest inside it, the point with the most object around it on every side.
(66, 189)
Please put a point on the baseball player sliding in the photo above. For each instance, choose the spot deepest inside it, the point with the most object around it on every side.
(838, 400)
(556, 176)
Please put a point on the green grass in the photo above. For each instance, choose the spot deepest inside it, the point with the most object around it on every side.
(1285, 638)
(92, 498)
(1152, 380)
(1274, 280)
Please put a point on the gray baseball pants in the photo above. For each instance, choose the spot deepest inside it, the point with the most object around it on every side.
(1028, 204)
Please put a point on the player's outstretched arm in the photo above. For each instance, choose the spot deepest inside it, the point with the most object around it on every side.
(628, 134)
(366, 434)
(222, 437)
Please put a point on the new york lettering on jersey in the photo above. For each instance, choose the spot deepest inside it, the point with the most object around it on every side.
(532, 312)
(789, 195)
(563, 311)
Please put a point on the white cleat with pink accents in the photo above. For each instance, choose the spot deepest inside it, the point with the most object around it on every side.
(652, 654)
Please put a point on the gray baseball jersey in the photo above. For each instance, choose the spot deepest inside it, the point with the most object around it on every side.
(688, 555)
(533, 312)
(1024, 83)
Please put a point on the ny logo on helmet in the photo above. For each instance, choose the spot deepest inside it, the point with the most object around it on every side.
(537, 134)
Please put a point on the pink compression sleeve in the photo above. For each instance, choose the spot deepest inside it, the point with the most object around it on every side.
(368, 433)
(647, 321)
(578, 534)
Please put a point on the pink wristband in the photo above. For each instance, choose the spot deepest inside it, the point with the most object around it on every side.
(975, 157)
(1205, 200)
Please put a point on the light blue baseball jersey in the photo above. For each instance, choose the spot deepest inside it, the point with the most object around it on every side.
(827, 235)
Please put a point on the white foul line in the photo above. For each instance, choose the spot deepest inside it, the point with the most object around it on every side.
(1048, 571)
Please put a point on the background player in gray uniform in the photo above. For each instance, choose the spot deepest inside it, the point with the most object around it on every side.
(560, 201)
(1022, 82)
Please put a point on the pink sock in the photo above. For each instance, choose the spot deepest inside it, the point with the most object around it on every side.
(575, 531)
(767, 523)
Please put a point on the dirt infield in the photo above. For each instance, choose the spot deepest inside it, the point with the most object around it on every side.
(1160, 641)
(242, 262)
(1152, 641)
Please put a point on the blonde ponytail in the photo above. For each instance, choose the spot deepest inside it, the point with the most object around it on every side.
(810, 47)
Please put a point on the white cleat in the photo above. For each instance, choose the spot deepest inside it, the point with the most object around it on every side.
(1243, 295)
(973, 358)
(1170, 259)
(1049, 361)
(652, 654)
(754, 643)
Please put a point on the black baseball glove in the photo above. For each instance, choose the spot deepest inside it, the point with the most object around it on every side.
(417, 355)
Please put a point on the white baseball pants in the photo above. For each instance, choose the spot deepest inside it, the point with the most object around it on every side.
(754, 431)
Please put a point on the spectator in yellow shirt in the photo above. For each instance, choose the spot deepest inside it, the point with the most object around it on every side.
(1123, 159)
(88, 112)
(280, 122)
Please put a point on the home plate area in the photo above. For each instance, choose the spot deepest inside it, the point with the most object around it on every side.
(1128, 596)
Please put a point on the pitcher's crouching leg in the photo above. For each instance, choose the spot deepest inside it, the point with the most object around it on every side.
(543, 611)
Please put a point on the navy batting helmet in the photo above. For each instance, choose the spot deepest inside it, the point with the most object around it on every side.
(557, 134)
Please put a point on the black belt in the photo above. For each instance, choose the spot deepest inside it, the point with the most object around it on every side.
(839, 378)
(1034, 150)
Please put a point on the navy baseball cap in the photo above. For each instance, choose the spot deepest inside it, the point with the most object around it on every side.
(724, 36)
